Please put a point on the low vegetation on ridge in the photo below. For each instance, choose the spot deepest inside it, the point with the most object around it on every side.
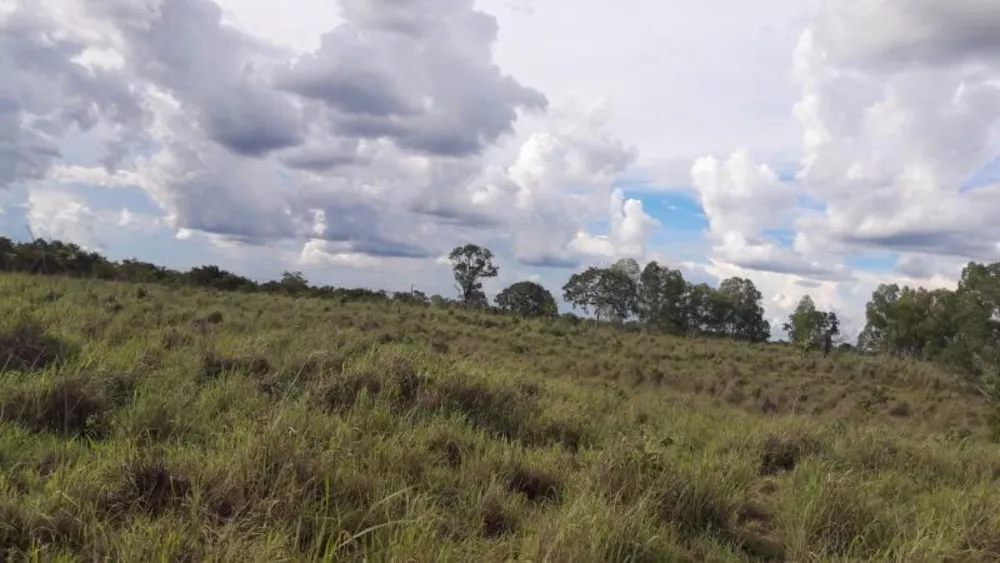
(156, 421)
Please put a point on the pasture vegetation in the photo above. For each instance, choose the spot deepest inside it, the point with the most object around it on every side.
(156, 423)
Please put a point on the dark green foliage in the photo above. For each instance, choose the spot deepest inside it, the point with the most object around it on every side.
(527, 299)
(471, 264)
(810, 328)
(611, 293)
(662, 299)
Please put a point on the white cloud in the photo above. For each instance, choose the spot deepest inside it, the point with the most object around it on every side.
(54, 212)
(739, 196)
(900, 107)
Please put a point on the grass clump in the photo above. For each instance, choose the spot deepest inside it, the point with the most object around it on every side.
(27, 347)
(213, 366)
(69, 407)
(146, 488)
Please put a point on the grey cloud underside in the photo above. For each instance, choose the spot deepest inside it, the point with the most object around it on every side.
(915, 268)
(796, 268)
(352, 91)
(419, 74)
(389, 249)
(254, 123)
(428, 85)
(454, 215)
(926, 32)
(367, 228)
(206, 66)
(317, 161)
(550, 262)
(948, 243)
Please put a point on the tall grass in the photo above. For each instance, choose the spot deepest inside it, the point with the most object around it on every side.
(185, 425)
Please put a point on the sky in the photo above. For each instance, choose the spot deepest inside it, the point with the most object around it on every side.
(816, 147)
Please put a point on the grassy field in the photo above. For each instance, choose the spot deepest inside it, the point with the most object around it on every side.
(150, 424)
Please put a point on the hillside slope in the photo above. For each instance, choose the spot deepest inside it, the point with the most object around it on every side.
(147, 423)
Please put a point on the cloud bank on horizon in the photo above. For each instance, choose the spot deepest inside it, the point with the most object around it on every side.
(816, 147)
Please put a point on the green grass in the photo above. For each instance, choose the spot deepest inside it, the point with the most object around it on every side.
(182, 425)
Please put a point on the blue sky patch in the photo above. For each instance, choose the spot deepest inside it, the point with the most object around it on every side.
(989, 174)
(785, 237)
(881, 262)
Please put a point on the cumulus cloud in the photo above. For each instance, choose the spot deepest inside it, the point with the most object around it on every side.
(420, 73)
(379, 131)
(900, 107)
(47, 92)
(386, 140)
(740, 196)
(743, 202)
(54, 212)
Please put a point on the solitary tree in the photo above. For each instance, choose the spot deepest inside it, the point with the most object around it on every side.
(471, 264)
(294, 283)
(810, 328)
(528, 299)
(612, 292)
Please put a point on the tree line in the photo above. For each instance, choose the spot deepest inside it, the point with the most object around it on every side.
(654, 297)
(960, 327)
